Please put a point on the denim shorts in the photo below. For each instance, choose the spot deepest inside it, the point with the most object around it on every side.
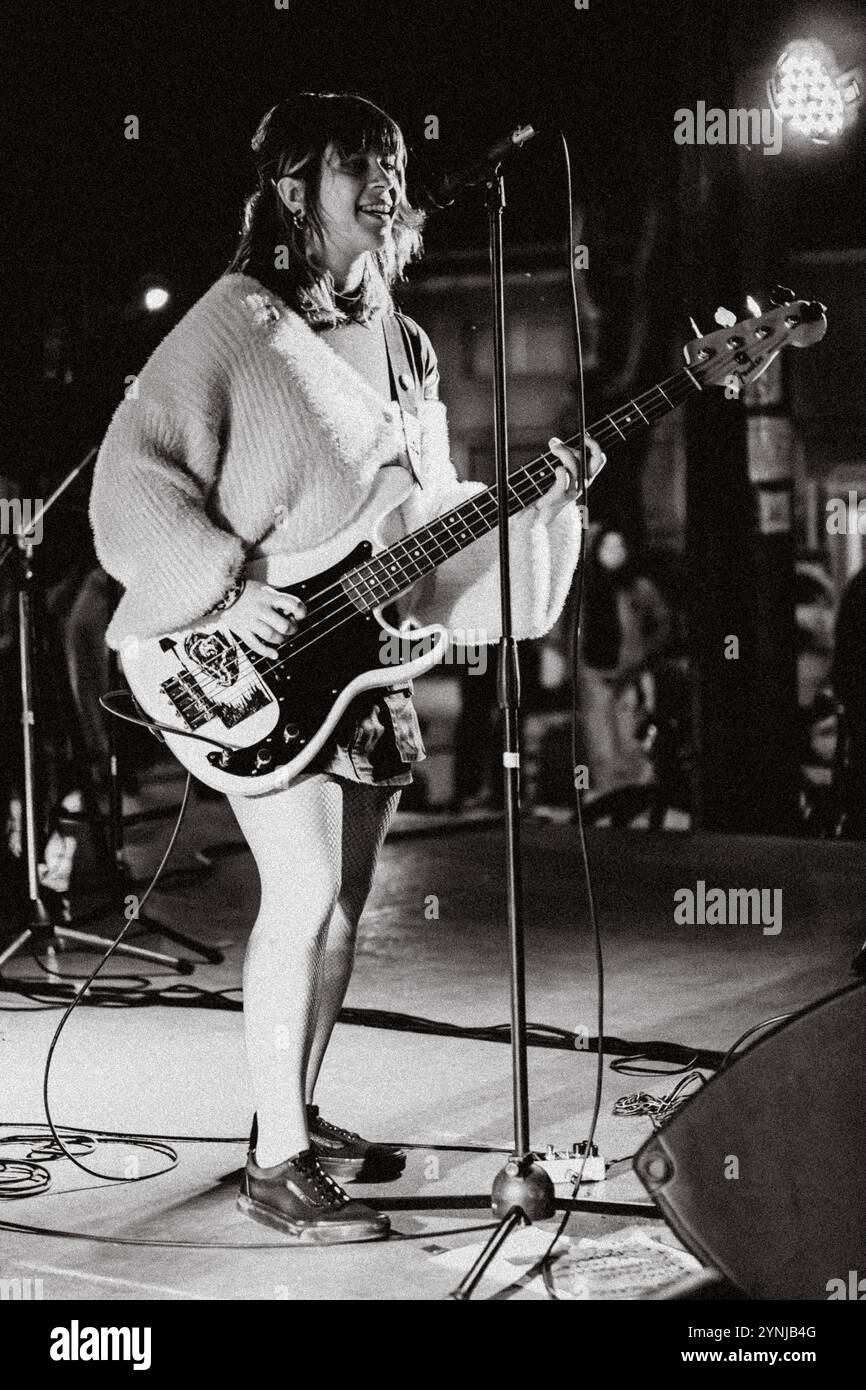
(377, 740)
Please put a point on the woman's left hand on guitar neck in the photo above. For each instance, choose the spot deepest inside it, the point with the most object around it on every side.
(564, 489)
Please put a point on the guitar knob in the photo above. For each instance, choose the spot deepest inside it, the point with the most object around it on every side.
(263, 757)
(291, 732)
(779, 295)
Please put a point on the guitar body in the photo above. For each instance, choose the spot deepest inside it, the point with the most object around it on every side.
(261, 721)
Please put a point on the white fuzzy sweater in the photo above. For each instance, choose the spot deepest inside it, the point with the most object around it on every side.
(243, 414)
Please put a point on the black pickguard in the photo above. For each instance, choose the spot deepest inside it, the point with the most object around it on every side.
(307, 683)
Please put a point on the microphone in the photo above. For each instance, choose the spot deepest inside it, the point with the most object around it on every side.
(443, 193)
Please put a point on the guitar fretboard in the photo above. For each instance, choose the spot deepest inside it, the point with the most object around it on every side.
(393, 571)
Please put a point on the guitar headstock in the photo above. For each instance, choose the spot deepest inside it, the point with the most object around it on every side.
(746, 349)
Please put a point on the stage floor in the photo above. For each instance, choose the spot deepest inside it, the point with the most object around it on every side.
(433, 943)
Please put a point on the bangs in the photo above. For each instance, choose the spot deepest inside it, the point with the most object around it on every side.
(356, 126)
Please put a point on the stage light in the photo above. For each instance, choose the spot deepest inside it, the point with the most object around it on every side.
(155, 298)
(809, 94)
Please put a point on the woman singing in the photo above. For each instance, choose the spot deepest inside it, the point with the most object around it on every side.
(266, 419)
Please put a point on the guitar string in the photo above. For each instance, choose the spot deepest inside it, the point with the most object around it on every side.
(684, 379)
(523, 489)
(524, 486)
(491, 493)
(485, 503)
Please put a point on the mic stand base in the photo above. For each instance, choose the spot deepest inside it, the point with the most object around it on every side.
(44, 937)
(523, 1184)
(522, 1194)
(125, 885)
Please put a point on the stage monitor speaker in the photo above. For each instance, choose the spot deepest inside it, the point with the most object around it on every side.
(763, 1174)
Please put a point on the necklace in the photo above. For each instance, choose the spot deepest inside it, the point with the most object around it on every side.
(351, 299)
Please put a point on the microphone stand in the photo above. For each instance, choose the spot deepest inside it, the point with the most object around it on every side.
(522, 1191)
(45, 926)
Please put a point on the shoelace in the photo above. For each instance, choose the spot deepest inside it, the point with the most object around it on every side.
(322, 1183)
(325, 1126)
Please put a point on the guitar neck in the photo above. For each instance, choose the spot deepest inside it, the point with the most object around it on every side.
(393, 571)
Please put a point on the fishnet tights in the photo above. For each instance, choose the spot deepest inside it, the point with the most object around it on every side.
(315, 845)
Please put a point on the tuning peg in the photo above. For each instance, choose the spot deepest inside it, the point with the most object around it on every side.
(724, 317)
(697, 332)
(779, 295)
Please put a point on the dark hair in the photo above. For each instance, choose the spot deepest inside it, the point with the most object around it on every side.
(602, 634)
(291, 139)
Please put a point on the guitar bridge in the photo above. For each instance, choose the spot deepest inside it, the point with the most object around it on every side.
(195, 708)
(188, 698)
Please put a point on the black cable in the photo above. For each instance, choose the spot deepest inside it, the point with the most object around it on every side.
(185, 995)
(82, 991)
(538, 1035)
(659, 1108)
(107, 995)
(58, 1234)
(210, 1139)
(31, 1185)
(154, 724)
(135, 1137)
(139, 981)
(625, 1066)
(27, 1177)
(767, 1023)
(578, 605)
(47, 1150)
(21, 1178)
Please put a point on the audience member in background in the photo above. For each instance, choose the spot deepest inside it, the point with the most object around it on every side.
(626, 625)
(848, 678)
(10, 728)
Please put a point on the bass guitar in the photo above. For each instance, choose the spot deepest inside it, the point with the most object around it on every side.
(246, 724)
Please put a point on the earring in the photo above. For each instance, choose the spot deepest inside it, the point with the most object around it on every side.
(298, 218)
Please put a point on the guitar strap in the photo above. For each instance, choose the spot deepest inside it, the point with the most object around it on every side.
(406, 388)
(402, 368)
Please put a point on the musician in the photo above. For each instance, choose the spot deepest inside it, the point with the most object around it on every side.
(260, 426)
